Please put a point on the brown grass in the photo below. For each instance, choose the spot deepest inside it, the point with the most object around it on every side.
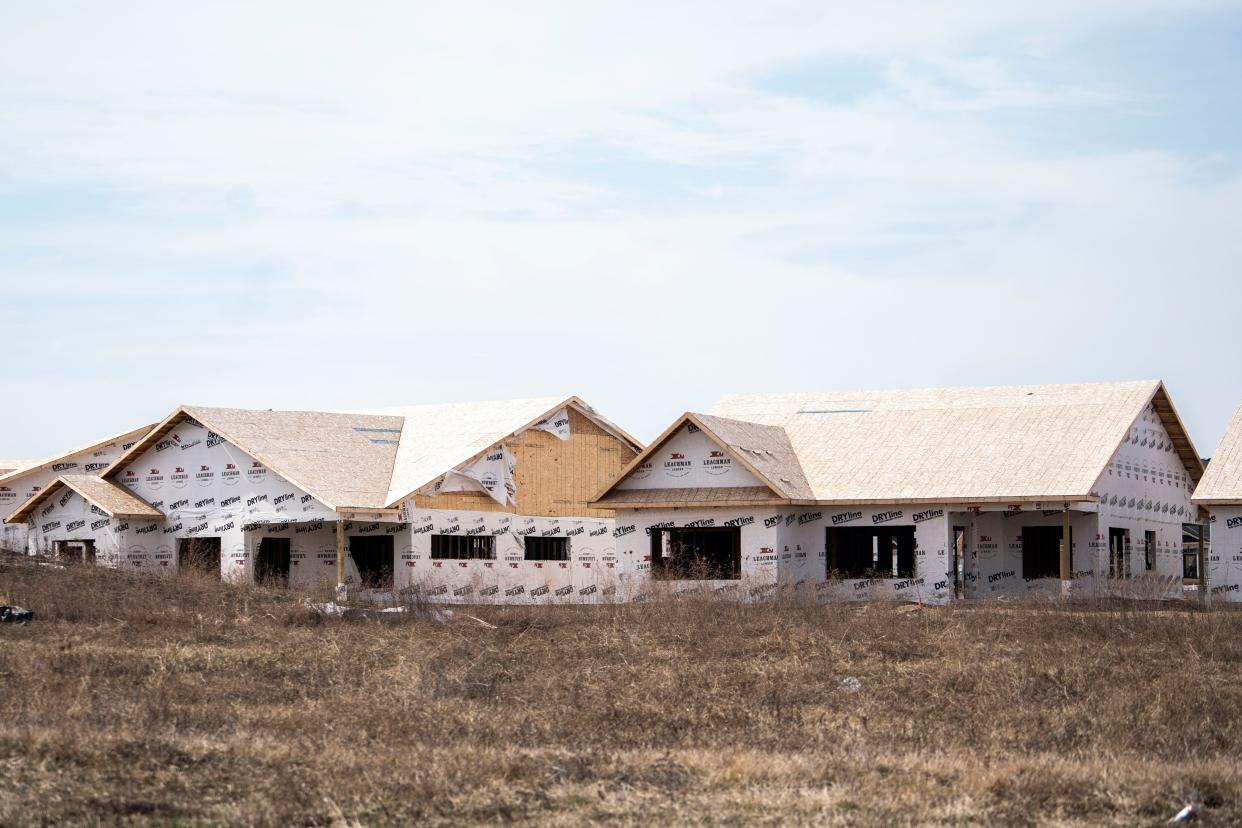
(184, 701)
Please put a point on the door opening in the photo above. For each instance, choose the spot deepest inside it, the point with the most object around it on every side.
(272, 564)
(1041, 552)
(1118, 553)
(959, 561)
(373, 555)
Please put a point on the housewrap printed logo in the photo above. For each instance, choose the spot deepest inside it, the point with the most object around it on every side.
(717, 463)
(643, 471)
(929, 514)
(885, 517)
(845, 517)
(179, 477)
(153, 479)
(257, 472)
(676, 465)
(230, 474)
(204, 476)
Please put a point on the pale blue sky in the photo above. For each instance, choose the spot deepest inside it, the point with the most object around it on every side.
(309, 205)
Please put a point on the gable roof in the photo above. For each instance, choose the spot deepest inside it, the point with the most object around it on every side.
(437, 438)
(368, 460)
(1222, 482)
(343, 460)
(762, 450)
(765, 449)
(47, 463)
(974, 445)
(113, 500)
(1001, 444)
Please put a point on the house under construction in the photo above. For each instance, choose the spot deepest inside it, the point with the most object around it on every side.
(916, 495)
(26, 479)
(1220, 493)
(477, 501)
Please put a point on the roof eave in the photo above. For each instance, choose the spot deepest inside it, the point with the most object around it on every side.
(655, 445)
(690, 504)
(48, 462)
(1162, 402)
(890, 501)
(168, 423)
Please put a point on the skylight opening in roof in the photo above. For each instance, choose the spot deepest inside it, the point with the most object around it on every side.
(834, 411)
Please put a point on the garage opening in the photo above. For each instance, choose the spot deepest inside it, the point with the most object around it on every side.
(870, 552)
(1041, 552)
(74, 551)
(373, 555)
(201, 555)
(698, 554)
(271, 567)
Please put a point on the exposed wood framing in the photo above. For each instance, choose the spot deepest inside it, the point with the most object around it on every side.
(1202, 558)
(1066, 574)
(340, 554)
(554, 477)
(1162, 403)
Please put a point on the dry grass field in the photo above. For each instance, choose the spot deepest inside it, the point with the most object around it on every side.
(186, 702)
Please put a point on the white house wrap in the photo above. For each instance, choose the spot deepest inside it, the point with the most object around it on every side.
(470, 502)
(917, 495)
(29, 478)
(1220, 492)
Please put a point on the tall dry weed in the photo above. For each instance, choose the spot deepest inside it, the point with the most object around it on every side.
(186, 700)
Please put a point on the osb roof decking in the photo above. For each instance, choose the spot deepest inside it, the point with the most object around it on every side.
(367, 460)
(1222, 482)
(46, 463)
(343, 460)
(765, 449)
(990, 444)
(112, 499)
(7, 466)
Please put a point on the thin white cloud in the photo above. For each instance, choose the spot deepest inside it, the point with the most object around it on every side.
(489, 183)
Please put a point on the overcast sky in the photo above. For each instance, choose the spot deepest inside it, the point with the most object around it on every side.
(307, 205)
